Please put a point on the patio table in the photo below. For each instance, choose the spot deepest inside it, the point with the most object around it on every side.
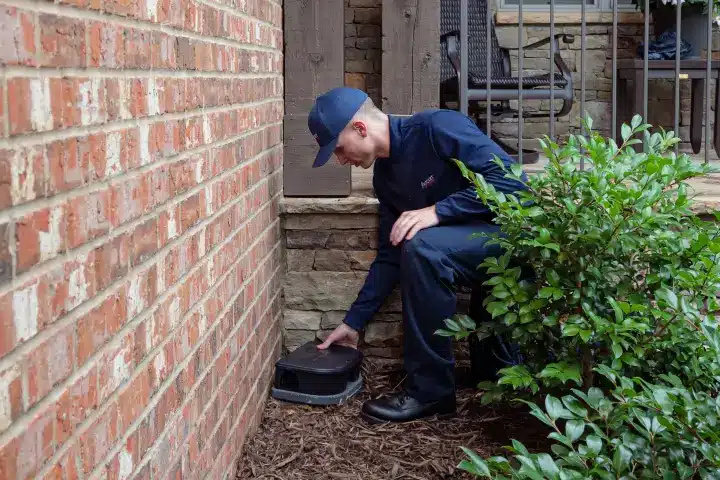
(631, 102)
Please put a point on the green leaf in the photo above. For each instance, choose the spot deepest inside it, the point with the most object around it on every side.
(594, 443)
(535, 212)
(497, 308)
(622, 458)
(574, 429)
(668, 296)
(563, 372)
(481, 468)
(554, 408)
(574, 405)
(547, 465)
(452, 325)
(626, 132)
(467, 322)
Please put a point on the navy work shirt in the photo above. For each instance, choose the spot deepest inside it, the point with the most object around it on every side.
(419, 173)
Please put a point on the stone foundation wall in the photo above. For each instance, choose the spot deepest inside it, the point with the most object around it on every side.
(329, 247)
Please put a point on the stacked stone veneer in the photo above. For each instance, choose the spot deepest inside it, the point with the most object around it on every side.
(330, 245)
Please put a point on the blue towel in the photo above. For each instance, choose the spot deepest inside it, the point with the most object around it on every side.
(663, 48)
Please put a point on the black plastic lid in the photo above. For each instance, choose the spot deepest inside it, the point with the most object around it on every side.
(308, 358)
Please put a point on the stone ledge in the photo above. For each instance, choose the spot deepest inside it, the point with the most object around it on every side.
(309, 205)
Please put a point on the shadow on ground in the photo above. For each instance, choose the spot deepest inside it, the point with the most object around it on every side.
(300, 442)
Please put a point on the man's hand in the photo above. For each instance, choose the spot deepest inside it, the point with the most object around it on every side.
(411, 222)
(342, 335)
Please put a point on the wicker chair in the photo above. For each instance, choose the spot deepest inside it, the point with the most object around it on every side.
(503, 85)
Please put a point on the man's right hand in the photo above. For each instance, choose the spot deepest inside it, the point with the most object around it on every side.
(342, 335)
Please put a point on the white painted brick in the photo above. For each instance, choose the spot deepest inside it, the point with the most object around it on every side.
(77, 292)
(25, 312)
(144, 144)
(112, 154)
(22, 173)
(135, 302)
(153, 97)
(90, 101)
(6, 378)
(126, 464)
(41, 113)
(51, 241)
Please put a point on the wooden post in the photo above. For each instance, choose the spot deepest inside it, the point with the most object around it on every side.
(411, 55)
(314, 63)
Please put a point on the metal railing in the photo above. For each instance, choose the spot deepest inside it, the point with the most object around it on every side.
(649, 70)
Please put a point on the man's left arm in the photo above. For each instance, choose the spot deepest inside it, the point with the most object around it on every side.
(453, 135)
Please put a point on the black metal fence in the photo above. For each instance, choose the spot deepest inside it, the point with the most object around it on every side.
(700, 70)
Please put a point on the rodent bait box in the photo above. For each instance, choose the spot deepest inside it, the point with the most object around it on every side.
(318, 377)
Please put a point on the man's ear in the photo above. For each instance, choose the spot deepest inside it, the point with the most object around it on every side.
(360, 127)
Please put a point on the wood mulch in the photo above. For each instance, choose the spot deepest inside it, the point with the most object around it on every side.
(302, 442)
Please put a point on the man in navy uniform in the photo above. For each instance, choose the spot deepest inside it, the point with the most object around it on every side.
(427, 214)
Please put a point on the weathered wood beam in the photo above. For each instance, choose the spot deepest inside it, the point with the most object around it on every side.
(411, 55)
(314, 63)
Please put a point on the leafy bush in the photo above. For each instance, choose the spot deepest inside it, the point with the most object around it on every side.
(641, 430)
(624, 283)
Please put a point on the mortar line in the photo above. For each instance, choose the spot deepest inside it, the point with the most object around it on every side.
(235, 424)
(20, 424)
(48, 266)
(147, 458)
(11, 71)
(40, 6)
(86, 307)
(22, 209)
(121, 440)
(35, 138)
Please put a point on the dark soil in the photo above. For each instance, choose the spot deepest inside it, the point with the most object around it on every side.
(302, 442)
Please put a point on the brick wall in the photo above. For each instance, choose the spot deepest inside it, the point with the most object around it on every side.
(363, 49)
(140, 174)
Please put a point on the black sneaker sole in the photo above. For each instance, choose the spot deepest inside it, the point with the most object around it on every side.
(377, 420)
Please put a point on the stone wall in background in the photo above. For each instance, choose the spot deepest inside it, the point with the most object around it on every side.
(363, 54)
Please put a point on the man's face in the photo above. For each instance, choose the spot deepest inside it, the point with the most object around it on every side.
(355, 147)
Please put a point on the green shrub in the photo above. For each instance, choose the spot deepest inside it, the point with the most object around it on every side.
(625, 283)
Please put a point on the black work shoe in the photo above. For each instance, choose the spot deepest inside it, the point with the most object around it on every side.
(401, 407)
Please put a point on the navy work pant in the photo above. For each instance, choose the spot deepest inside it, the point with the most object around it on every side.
(434, 262)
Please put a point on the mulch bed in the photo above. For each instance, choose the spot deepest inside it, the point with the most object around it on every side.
(302, 442)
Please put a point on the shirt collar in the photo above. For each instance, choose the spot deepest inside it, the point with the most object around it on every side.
(396, 124)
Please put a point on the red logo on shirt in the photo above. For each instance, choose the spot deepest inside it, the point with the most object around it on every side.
(428, 182)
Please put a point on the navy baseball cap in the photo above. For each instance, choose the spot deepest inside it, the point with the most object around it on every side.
(330, 114)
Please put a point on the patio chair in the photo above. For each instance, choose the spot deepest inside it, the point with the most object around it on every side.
(504, 86)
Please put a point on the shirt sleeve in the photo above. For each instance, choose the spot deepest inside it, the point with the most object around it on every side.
(383, 276)
(454, 135)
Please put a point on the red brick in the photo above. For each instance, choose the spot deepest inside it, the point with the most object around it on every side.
(126, 8)
(161, 185)
(193, 132)
(194, 93)
(19, 45)
(107, 45)
(129, 200)
(98, 326)
(22, 456)
(168, 225)
(137, 49)
(144, 241)
(138, 93)
(127, 457)
(50, 363)
(62, 40)
(88, 217)
(192, 209)
(111, 261)
(164, 52)
(134, 398)
(40, 236)
(97, 440)
(115, 366)
(68, 167)
(66, 467)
